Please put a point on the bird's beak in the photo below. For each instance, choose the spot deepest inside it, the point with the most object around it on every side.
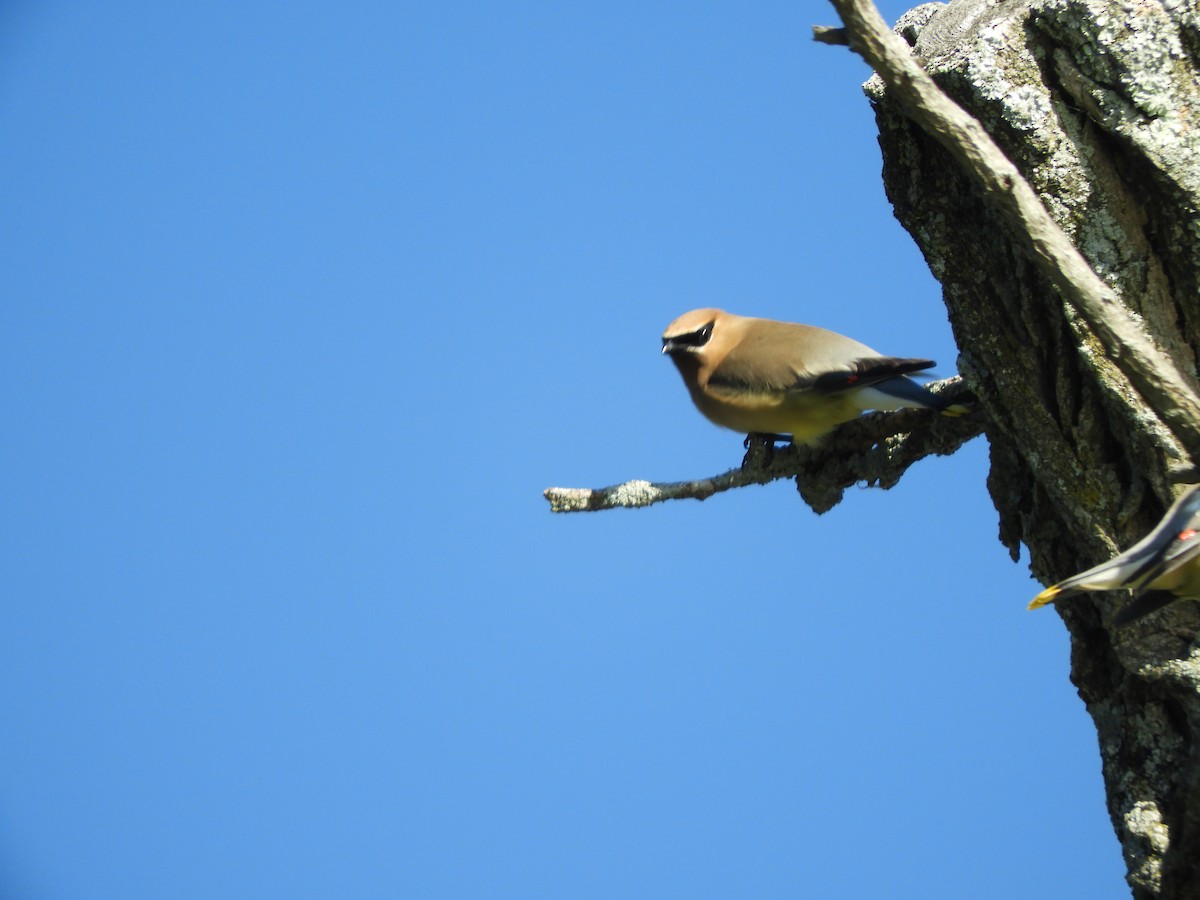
(668, 345)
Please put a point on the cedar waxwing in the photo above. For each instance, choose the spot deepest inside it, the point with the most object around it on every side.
(759, 376)
(1158, 569)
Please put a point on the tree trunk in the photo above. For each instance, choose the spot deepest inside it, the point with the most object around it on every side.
(1098, 104)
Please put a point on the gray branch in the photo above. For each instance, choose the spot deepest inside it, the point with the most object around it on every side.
(875, 449)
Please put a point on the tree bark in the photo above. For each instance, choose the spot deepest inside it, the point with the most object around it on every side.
(1097, 104)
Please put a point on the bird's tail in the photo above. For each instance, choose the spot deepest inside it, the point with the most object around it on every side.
(1049, 595)
(909, 393)
(955, 409)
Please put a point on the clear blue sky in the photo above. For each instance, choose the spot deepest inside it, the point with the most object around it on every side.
(304, 308)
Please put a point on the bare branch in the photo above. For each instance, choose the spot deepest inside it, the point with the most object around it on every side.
(876, 449)
(632, 494)
(1150, 371)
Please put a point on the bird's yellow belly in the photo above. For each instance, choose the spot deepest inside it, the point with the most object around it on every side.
(1183, 581)
(806, 419)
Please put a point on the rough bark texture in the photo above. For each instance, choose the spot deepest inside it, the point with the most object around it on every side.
(1097, 103)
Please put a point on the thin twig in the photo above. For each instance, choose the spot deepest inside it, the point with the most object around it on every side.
(828, 34)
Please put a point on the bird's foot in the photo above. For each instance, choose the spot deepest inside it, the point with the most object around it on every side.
(760, 448)
(766, 438)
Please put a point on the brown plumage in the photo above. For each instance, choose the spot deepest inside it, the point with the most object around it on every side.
(767, 377)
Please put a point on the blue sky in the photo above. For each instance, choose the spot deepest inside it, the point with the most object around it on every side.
(305, 308)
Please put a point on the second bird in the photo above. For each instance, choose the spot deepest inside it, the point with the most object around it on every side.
(759, 376)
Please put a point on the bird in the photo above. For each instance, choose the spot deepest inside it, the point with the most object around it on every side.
(781, 379)
(1161, 568)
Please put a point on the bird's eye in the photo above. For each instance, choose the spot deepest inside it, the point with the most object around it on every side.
(692, 340)
(698, 338)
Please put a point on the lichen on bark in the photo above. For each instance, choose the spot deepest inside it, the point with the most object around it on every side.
(1095, 103)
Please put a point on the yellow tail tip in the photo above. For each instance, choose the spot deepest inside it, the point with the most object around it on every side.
(1049, 595)
(954, 410)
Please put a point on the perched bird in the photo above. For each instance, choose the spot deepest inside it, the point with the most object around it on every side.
(1160, 568)
(759, 376)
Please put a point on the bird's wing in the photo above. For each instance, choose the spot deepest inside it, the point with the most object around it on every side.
(1182, 550)
(1178, 535)
(781, 356)
(863, 372)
